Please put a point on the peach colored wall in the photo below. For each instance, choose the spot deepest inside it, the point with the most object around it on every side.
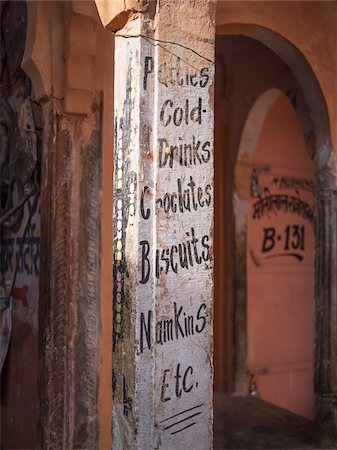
(280, 266)
(309, 26)
(316, 24)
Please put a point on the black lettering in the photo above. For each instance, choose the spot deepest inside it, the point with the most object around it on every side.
(163, 155)
(188, 154)
(185, 388)
(189, 250)
(192, 77)
(162, 113)
(177, 325)
(183, 258)
(145, 265)
(181, 205)
(173, 202)
(200, 195)
(163, 388)
(186, 111)
(268, 239)
(159, 332)
(205, 149)
(207, 191)
(189, 325)
(177, 377)
(168, 330)
(146, 330)
(173, 264)
(178, 116)
(191, 184)
(196, 112)
(205, 254)
(205, 77)
(158, 268)
(194, 243)
(195, 151)
(187, 200)
(144, 214)
(148, 69)
(167, 203)
(201, 317)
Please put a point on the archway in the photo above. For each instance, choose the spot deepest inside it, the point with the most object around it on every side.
(279, 255)
(233, 373)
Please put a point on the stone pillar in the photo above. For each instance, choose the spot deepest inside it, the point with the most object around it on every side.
(326, 299)
(60, 59)
(69, 311)
(163, 228)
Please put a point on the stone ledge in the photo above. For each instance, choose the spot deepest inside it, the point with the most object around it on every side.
(114, 14)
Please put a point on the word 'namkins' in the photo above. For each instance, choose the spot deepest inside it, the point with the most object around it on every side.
(179, 326)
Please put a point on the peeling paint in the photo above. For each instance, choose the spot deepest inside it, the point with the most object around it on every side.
(163, 369)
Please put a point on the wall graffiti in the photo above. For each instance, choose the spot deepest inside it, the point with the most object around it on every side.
(177, 423)
(20, 260)
(281, 203)
(182, 255)
(185, 156)
(182, 200)
(163, 209)
(293, 239)
(26, 251)
(181, 325)
(287, 217)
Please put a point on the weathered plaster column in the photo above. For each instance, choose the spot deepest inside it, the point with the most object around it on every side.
(60, 58)
(326, 297)
(163, 228)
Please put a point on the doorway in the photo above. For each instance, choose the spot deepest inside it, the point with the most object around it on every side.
(263, 261)
(279, 259)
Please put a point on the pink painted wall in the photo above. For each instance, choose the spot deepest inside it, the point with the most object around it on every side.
(280, 265)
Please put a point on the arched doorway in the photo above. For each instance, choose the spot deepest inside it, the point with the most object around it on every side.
(279, 254)
(246, 69)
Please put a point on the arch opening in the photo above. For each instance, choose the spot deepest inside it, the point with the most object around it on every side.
(251, 78)
(279, 254)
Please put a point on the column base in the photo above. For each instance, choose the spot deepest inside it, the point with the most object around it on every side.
(326, 418)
